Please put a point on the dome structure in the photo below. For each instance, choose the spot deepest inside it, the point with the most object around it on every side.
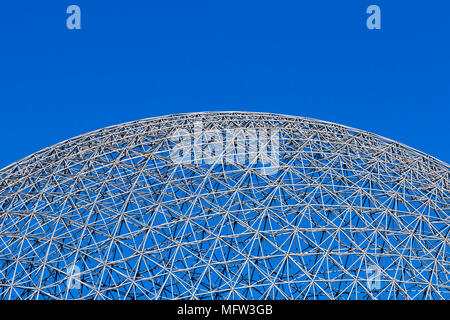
(225, 205)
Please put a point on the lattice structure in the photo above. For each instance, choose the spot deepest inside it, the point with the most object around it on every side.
(109, 215)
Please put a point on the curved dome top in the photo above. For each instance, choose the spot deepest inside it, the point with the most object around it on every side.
(156, 124)
(223, 205)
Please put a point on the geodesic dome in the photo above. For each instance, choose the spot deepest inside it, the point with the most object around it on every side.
(113, 214)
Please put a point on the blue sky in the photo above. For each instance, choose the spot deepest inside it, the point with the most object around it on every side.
(139, 59)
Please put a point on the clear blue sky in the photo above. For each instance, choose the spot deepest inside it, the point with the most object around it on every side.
(139, 59)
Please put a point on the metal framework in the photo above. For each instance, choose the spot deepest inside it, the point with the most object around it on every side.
(109, 215)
